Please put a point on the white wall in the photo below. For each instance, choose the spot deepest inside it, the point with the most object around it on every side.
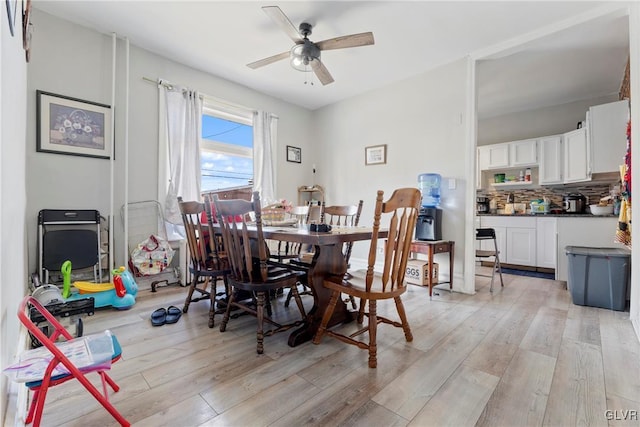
(421, 121)
(84, 72)
(13, 268)
(538, 122)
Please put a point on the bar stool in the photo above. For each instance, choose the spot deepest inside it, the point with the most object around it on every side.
(489, 234)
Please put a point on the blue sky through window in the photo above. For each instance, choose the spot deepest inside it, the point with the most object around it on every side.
(220, 169)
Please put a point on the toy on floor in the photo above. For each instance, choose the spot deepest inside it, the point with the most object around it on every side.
(120, 294)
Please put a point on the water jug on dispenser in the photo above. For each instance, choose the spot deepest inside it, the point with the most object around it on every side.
(429, 184)
(429, 222)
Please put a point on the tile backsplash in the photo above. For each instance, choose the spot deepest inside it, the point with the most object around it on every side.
(592, 191)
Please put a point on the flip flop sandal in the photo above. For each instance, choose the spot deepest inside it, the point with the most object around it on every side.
(173, 314)
(159, 317)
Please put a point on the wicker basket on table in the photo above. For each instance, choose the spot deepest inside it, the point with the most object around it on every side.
(273, 213)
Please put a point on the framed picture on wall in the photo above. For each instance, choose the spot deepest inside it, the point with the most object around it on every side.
(294, 154)
(66, 125)
(375, 155)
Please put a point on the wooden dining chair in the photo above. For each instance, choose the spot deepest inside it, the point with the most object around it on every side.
(250, 270)
(342, 215)
(208, 264)
(402, 211)
(345, 216)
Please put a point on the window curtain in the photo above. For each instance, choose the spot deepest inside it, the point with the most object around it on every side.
(180, 138)
(264, 169)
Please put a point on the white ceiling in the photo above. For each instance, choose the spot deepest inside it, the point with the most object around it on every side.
(410, 38)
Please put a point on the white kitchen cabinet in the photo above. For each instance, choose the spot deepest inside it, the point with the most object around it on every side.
(508, 155)
(594, 232)
(546, 242)
(479, 169)
(523, 153)
(521, 246)
(577, 156)
(495, 156)
(516, 238)
(608, 135)
(551, 159)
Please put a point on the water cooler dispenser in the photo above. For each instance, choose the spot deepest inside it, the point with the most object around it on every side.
(429, 224)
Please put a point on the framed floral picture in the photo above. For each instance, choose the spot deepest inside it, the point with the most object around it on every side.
(375, 155)
(66, 125)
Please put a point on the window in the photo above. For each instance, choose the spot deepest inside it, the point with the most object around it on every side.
(226, 153)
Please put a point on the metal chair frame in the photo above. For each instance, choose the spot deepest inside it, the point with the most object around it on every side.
(483, 234)
(40, 387)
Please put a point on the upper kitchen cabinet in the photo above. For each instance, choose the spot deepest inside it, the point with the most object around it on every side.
(523, 153)
(565, 158)
(494, 156)
(577, 156)
(597, 148)
(608, 134)
(508, 155)
(551, 158)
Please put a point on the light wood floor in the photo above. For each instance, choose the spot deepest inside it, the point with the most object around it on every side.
(524, 356)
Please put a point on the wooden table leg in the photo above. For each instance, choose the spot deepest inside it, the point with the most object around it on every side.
(430, 268)
(329, 260)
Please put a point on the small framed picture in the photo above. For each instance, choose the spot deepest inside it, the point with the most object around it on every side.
(294, 154)
(375, 155)
(66, 125)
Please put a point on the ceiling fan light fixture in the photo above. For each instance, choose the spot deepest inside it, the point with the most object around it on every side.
(303, 54)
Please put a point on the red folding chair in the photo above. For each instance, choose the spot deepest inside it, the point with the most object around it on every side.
(41, 386)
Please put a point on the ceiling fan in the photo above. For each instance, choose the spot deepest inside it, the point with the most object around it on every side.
(305, 53)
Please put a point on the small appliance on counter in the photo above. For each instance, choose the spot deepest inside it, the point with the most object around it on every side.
(482, 205)
(574, 203)
(429, 224)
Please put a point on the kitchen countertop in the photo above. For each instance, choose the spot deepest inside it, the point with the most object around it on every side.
(562, 215)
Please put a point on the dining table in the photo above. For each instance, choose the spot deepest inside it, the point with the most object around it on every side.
(328, 260)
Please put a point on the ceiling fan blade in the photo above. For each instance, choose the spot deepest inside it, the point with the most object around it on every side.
(269, 60)
(353, 40)
(321, 72)
(278, 16)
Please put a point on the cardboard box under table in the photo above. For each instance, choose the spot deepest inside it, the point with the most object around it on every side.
(417, 272)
